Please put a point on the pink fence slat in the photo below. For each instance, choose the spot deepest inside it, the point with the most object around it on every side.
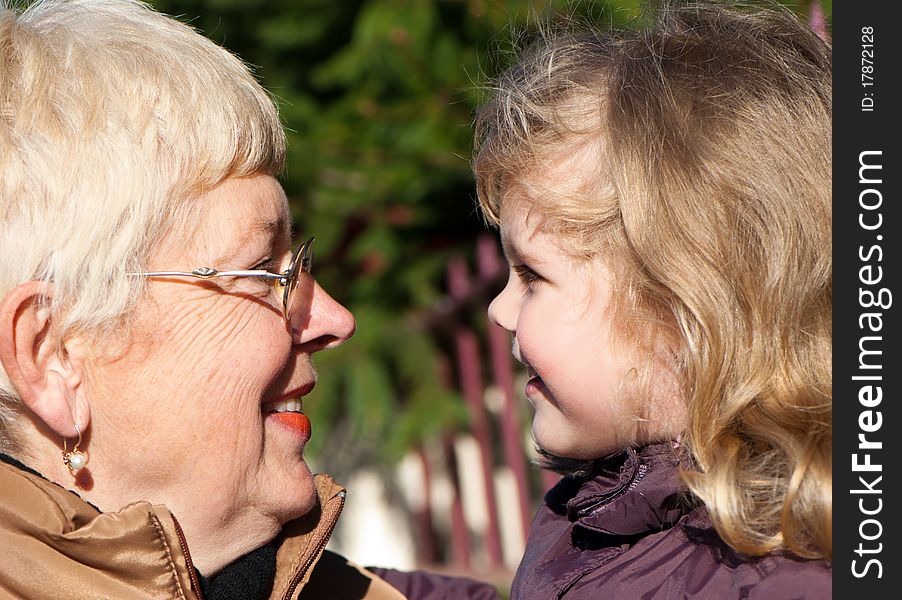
(490, 267)
(426, 546)
(818, 21)
(471, 385)
(460, 537)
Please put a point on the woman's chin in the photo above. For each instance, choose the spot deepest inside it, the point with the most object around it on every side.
(286, 477)
(295, 493)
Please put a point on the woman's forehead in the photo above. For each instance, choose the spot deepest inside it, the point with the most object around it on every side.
(236, 214)
(258, 204)
(251, 208)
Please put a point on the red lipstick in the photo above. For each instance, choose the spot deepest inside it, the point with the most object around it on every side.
(298, 422)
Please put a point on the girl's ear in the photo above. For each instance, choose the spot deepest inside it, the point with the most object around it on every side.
(46, 377)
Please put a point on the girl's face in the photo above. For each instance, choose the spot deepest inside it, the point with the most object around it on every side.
(580, 383)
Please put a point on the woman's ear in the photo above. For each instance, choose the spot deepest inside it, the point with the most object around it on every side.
(46, 377)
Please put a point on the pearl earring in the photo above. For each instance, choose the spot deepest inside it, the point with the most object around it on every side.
(75, 459)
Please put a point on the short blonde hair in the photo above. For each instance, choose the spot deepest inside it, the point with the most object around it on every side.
(113, 118)
(709, 191)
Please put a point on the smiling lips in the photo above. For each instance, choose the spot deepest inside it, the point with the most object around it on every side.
(534, 383)
(530, 372)
(290, 414)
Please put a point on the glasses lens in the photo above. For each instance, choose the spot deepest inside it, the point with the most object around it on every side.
(298, 294)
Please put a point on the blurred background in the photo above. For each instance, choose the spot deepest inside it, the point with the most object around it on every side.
(421, 415)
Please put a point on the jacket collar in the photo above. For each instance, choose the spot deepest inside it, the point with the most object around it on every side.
(136, 552)
(632, 492)
(303, 540)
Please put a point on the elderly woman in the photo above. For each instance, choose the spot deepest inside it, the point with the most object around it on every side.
(156, 331)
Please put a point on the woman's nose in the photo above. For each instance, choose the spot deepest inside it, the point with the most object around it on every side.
(329, 323)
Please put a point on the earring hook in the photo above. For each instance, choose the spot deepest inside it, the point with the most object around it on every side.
(75, 459)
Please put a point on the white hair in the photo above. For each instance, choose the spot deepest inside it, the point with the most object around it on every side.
(113, 119)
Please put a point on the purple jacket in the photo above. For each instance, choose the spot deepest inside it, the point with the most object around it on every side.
(422, 585)
(632, 534)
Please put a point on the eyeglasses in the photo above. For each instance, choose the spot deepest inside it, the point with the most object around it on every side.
(296, 280)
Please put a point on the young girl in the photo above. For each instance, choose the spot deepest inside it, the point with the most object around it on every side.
(663, 198)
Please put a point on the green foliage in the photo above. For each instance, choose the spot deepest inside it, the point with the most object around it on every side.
(377, 96)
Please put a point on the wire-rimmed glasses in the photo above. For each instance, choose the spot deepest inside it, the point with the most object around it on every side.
(296, 280)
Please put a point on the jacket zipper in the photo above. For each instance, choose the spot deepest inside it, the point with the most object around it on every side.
(192, 573)
(333, 517)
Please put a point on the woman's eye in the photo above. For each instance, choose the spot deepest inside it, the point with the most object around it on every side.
(267, 265)
(526, 275)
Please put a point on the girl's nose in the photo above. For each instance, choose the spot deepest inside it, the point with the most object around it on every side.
(502, 310)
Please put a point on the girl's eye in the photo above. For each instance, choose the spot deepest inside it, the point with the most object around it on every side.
(526, 275)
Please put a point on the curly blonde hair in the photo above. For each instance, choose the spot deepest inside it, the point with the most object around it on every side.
(709, 133)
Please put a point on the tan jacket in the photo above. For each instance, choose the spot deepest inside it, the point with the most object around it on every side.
(55, 545)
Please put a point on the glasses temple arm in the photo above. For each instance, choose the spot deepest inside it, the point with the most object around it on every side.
(208, 273)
